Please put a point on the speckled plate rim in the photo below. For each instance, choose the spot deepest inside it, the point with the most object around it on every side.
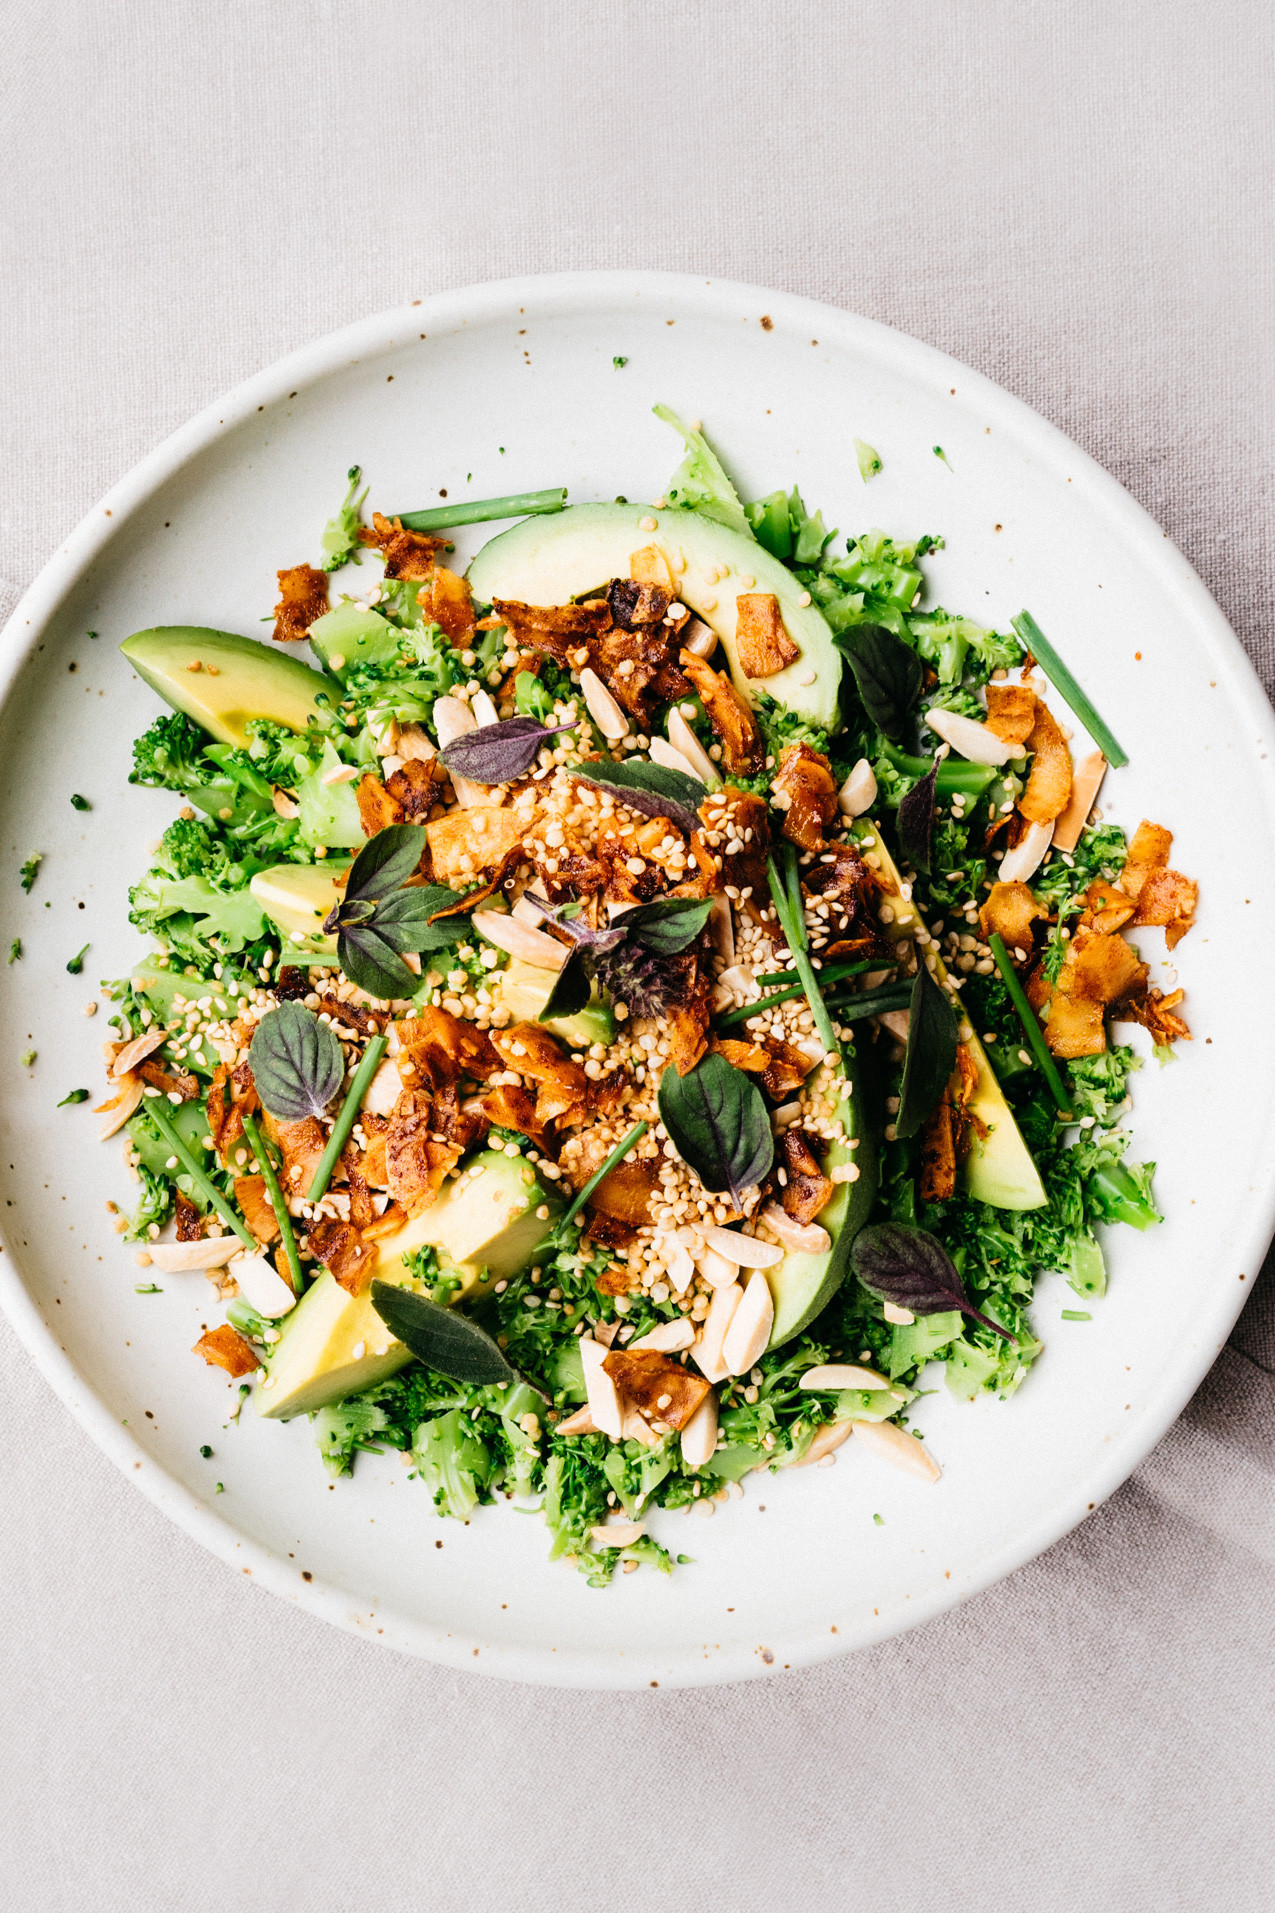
(563, 294)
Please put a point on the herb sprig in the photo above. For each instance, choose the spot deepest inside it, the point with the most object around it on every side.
(379, 919)
(719, 1124)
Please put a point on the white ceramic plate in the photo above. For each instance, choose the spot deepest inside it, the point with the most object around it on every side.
(514, 384)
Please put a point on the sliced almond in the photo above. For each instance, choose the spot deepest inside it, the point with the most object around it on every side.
(683, 739)
(581, 1423)
(707, 1352)
(828, 1436)
(739, 977)
(261, 1285)
(668, 1337)
(804, 1238)
(635, 1428)
(745, 1251)
(745, 1340)
(618, 1534)
(602, 707)
(859, 792)
(507, 933)
(209, 1253)
(662, 753)
(677, 1264)
(699, 1437)
(135, 1052)
(383, 1091)
(901, 1318)
(452, 719)
(604, 1402)
(1022, 862)
(1085, 784)
(715, 1269)
(842, 1375)
(901, 1450)
(898, 1022)
(974, 741)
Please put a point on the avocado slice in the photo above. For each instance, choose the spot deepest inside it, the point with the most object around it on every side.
(485, 1230)
(297, 898)
(802, 1284)
(247, 680)
(524, 990)
(548, 561)
(999, 1168)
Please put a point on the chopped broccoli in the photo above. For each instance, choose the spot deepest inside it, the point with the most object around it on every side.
(155, 1206)
(869, 460)
(344, 1426)
(341, 534)
(700, 482)
(28, 871)
(169, 755)
(453, 1462)
(1099, 1083)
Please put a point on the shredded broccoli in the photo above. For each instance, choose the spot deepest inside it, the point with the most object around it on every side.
(1099, 1083)
(700, 482)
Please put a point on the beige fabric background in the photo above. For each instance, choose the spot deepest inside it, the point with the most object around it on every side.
(1074, 199)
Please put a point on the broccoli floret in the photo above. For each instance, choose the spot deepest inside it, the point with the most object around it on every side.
(344, 1426)
(341, 534)
(169, 755)
(155, 1206)
(278, 754)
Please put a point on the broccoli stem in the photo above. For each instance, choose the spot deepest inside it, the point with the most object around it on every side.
(617, 1156)
(208, 1189)
(480, 511)
(277, 1202)
(1031, 1028)
(953, 774)
(345, 1121)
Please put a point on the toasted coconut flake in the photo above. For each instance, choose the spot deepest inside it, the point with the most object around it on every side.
(937, 1180)
(468, 841)
(1106, 908)
(1103, 968)
(224, 1347)
(377, 808)
(805, 790)
(1011, 713)
(807, 1190)
(129, 1055)
(1048, 789)
(1010, 911)
(1155, 1012)
(649, 566)
(121, 1106)
(1085, 785)
(303, 598)
(1148, 850)
(408, 554)
(1167, 897)
(761, 642)
(733, 723)
(660, 1388)
(254, 1205)
(448, 602)
(341, 1248)
(300, 1144)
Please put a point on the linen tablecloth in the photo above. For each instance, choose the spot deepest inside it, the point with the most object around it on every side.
(1076, 201)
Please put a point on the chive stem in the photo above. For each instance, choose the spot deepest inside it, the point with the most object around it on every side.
(1031, 1026)
(861, 1003)
(345, 1121)
(277, 1202)
(1068, 689)
(480, 511)
(792, 921)
(617, 1155)
(198, 1175)
(836, 973)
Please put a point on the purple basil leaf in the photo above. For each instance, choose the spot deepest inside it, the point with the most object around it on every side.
(497, 753)
(667, 925)
(916, 821)
(572, 988)
(580, 932)
(911, 1268)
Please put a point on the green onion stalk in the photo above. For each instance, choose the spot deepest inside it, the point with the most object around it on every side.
(277, 1202)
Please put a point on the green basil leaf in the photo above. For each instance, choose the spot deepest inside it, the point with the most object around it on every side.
(443, 1339)
(297, 1063)
(719, 1124)
(888, 675)
(385, 861)
(372, 962)
(916, 821)
(911, 1268)
(931, 1053)
(571, 991)
(666, 926)
(652, 789)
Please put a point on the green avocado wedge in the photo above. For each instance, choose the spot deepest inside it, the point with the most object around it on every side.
(549, 561)
(237, 679)
(802, 1285)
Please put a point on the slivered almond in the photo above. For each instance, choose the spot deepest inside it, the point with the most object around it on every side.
(859, 792)
(973, 741)
(898, 1022)
(414, 742)
(699, 1437)
(284, 806)
(604, 1402)
(602, 707)
(452, 719)
(618, 1534)
(668, 1337)
(806, 1238)
(683, 739)
(901, 1318)
(707, 1353)
(581, 1423)
(1086, 782)
(699, 639)
(261, 1284)
(662, 752)
(1022, 862)
(745, 1340)
(715, 1269)
(118, 1111)
(902, 1450)
(828, 1435)
(745, 1251)
(484, 711)
(635, 1428)
(210, 1253)
(507, 933)
(842, 1375)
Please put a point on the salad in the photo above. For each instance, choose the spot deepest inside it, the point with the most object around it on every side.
(623, 1017)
